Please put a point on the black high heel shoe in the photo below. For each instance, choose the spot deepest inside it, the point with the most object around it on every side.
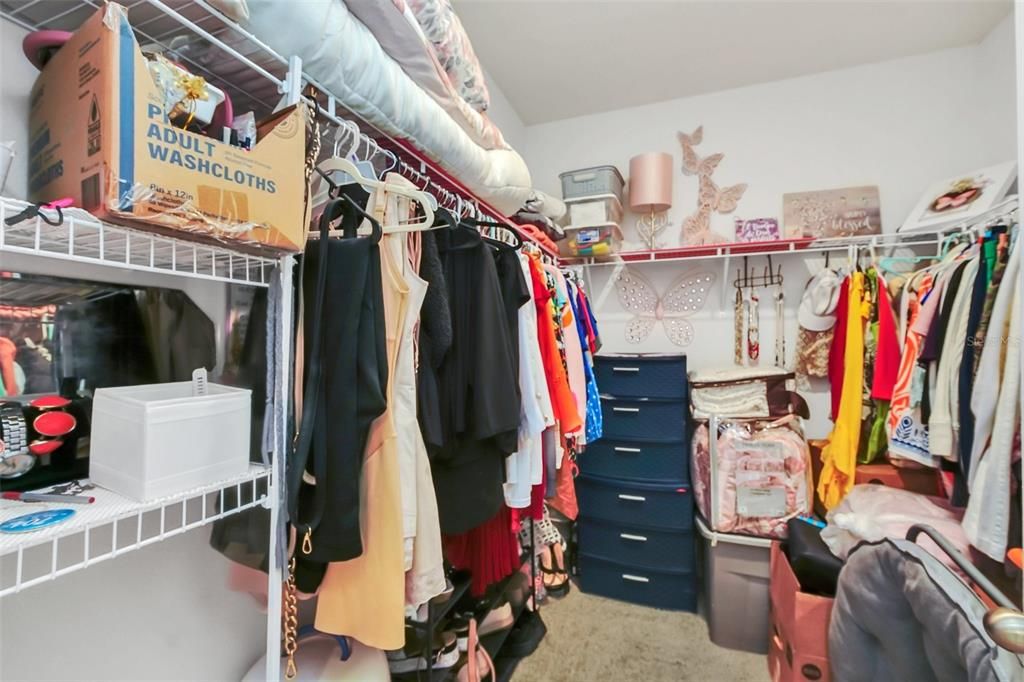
(560, 590)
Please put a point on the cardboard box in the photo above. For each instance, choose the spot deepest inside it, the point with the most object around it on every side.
(99, 135)
(798, 646)
(924, 481)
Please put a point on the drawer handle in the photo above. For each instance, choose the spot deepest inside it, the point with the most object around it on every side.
(623, 449)
(635, 578)
(625, 369)
(625, 409)
(637, 538)
(632, 498)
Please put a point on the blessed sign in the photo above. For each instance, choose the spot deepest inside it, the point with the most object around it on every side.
(832, 213)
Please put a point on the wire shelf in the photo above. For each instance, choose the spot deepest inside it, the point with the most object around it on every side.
(83, 238)
(924, 239)
(114, 525)
(255, 76)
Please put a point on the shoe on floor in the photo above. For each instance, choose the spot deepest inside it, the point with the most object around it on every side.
(497, 619)
(525, 637)
(403, 661)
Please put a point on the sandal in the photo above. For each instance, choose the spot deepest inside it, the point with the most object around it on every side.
(556, 590)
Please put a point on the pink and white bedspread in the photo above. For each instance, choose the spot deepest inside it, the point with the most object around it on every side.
(757, 478)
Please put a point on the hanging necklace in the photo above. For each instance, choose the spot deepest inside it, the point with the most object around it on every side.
(738, 315)
(753, 330)
(780, 330)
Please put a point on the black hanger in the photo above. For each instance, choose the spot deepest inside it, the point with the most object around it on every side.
(443, 217)
(346, 208)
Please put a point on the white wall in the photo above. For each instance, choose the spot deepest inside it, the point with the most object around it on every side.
(162, 612)
(18, 76)
(505, 116)
(900, 125)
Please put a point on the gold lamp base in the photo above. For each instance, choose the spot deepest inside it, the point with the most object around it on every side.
(650, 226)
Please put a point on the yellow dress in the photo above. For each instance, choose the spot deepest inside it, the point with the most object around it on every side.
(364, 598)
(839, 456)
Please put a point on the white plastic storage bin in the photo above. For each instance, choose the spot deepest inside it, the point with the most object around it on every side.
(604, 208)
(736, 571)
(587, 182)
(157, 440)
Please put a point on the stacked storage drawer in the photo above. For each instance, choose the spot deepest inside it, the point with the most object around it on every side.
(636, 538)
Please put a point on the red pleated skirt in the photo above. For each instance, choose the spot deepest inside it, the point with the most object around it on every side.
(490, 551)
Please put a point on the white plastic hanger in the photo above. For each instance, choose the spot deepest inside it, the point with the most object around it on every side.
(344, 165)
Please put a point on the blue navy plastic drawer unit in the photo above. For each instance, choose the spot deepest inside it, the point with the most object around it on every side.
(660, 588)
(644, 420)
(652, 548)
(641, 504)
(637, 461)
(656, 377)
(636, 539)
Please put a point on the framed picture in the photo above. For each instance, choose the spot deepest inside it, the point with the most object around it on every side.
(843, 212)
(757, 230)
(962, 198)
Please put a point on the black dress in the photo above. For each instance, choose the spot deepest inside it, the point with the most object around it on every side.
(351, 361)
(477, 387)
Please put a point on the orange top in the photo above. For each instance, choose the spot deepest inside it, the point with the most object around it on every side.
(562, 400)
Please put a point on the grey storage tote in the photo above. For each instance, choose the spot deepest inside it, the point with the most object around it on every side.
(736, 578)
(587, 182)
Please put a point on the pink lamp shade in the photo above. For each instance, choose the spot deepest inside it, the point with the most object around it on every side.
(650, 182)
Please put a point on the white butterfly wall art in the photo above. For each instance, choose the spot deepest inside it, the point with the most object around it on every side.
(684, 297)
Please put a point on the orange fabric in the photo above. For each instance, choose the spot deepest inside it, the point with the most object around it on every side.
(565, 488)
(562, 400)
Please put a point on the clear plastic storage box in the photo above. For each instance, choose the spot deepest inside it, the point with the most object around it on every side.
(605, 208)
(599, 241)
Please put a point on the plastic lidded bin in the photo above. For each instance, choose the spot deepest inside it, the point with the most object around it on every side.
(598, 241)
(591, 181)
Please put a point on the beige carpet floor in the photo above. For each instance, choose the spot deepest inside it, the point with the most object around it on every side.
(591, 638)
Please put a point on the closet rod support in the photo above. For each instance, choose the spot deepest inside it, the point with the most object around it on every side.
(291, 88)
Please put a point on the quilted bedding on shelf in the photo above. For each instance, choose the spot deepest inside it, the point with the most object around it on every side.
(343, 54)
(763, 478)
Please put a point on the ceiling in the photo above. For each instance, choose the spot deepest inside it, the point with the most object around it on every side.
(557, 59)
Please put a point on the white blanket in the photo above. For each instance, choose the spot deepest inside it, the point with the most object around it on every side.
(341, 53)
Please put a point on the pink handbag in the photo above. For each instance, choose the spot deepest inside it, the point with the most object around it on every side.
(478, 664)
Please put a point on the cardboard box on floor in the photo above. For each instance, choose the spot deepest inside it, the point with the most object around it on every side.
(798, 646)
(100, 136)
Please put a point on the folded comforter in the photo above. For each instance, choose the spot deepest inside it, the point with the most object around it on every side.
(403, 40)
(345, 57)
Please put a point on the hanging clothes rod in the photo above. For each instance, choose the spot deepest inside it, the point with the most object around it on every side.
(404, 159)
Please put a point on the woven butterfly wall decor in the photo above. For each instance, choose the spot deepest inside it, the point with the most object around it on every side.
(684, 297)
(711, 198)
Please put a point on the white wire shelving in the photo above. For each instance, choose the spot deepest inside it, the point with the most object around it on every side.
(802, 245)
(254, 75)
(83, 238)
(114, 525)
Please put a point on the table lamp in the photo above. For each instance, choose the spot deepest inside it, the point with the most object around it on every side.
(650, 193)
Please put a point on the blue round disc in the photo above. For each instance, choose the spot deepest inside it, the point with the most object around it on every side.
(26, 523)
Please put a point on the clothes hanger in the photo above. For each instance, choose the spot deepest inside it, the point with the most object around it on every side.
(338, 206)
(516, 241)
(328, 167)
